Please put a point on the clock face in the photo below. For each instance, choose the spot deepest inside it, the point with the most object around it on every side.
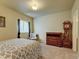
(66, 26)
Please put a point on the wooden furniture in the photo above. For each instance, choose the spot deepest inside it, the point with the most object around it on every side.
(67, 41)
(61, 39)
(54, 38)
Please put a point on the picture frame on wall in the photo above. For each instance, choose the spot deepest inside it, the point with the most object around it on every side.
(2, 21)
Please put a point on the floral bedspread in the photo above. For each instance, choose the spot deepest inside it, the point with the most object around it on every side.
(20, 49)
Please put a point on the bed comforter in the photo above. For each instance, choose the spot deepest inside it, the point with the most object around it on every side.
(20, 49)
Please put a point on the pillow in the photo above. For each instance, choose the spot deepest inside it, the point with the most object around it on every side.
(32, 36)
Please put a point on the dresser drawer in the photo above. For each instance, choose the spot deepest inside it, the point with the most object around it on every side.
(52, 42)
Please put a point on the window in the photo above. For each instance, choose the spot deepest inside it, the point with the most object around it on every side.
(24, 26)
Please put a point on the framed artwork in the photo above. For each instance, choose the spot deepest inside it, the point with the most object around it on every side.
(2, 21)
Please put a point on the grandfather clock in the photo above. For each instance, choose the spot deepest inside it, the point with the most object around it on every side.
(67, 41)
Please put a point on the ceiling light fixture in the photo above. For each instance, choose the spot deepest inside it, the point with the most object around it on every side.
(34, 7)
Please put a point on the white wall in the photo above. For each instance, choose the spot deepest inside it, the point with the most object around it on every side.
(10, 31)
(75, 15)
(51, 23)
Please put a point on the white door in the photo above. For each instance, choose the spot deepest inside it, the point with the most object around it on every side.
(75, 30)
(78, 30)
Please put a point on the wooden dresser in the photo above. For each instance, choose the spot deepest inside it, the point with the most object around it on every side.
(54, 38)
(58, 39)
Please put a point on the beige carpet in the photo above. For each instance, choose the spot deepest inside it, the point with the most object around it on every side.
(52, 52)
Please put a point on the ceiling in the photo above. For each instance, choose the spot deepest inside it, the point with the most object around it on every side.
(44, 6)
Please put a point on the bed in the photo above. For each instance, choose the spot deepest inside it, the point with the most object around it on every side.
(20, 49)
